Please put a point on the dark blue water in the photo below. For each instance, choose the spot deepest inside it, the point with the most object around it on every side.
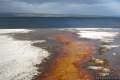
(49, 22)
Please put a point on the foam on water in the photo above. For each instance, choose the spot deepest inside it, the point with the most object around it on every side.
(18, 58)
(105, 34)
(14, 30)
(108, 36)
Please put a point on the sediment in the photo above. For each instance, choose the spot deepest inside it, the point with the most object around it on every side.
(67, 65)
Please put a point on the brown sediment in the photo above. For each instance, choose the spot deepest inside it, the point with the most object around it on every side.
(67, 65)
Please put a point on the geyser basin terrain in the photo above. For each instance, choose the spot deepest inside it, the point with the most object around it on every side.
(23, 51)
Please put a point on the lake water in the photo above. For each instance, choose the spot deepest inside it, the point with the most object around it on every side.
(48, 22)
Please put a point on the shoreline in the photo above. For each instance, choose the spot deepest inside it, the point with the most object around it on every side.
(40, 39)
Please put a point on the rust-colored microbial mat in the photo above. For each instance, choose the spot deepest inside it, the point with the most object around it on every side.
(67, 65)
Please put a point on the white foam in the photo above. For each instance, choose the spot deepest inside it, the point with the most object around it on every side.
(14, 30)
(111, 46)
(86, 29)
(39, 41)
(105, 34)
(98, 35)
(17, 58)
